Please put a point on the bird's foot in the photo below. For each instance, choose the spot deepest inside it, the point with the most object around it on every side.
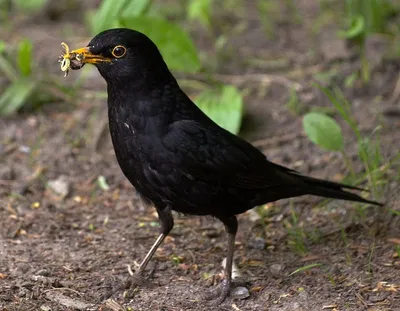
(127, 288)
(224, 290)
(220, 293)
(135, 281)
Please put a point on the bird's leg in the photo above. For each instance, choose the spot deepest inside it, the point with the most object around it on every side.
(166, 225)
(231, 226)
(150, 253)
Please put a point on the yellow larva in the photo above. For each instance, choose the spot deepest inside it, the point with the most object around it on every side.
(65, 59)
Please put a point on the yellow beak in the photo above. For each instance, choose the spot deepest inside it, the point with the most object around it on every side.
(85, 56)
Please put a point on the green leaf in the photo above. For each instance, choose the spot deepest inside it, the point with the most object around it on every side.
(24, 57)
(16, 95)
(102, 182)
(323, 131)
(224, 106)
(357, 28)
(136, 7)
(174, 43)
(200, 10)
(106, 15)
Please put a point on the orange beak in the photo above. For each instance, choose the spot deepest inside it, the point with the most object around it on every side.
(85, 56)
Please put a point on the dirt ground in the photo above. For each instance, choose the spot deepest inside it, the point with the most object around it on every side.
(65, 240)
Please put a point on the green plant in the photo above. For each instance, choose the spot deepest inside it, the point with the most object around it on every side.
(5, 8)
(174, 43)
(397, 250)
(200, 10)
(294, 104)
(306, 268)
(323, 131)
(267, 10)
(109, 12)
(326, 132)
(296, 233)
(25, 88)
(224, 105)
(364, 18)
(369, 149)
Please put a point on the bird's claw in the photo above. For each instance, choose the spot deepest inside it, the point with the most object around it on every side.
(133, 282)
(137, 279)
(127, 288)
(219, 293)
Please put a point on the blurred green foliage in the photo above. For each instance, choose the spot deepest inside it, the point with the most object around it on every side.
(24, 87)
(110, 12)
(326, 132)
(18, 72)
(224, 105)
(200, 10)
(167, 24)
(174, 43)
(29, 6)
(323, 131)
(365, 18)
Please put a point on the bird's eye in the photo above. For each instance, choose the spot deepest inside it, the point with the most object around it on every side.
(119, 51)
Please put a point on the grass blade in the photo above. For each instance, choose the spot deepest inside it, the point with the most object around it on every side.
(305, 268)
(7, 68)
(24, 57)
(15, 96)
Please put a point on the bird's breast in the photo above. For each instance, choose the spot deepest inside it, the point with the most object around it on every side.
(135, 140)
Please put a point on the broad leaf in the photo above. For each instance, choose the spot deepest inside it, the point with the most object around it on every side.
(224, 106)
(323, 131)
(106, 15)
(174, 43)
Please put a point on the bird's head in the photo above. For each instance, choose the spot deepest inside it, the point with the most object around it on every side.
(124, 56)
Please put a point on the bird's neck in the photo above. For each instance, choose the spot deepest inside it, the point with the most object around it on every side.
(164, 99)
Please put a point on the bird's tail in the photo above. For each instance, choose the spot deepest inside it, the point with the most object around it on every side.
(333, 190)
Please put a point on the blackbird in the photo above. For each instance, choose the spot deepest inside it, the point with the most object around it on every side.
(176, 157)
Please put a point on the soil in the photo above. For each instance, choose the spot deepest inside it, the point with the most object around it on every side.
(67, 239)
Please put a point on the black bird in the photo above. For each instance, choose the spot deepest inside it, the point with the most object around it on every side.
(176, 157)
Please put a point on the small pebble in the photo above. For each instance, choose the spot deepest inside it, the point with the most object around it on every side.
(275, 269)
(257, 243)
(60, 186)
(240, 292)
(24, 149)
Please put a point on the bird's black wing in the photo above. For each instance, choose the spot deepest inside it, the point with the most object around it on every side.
(217, 156)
